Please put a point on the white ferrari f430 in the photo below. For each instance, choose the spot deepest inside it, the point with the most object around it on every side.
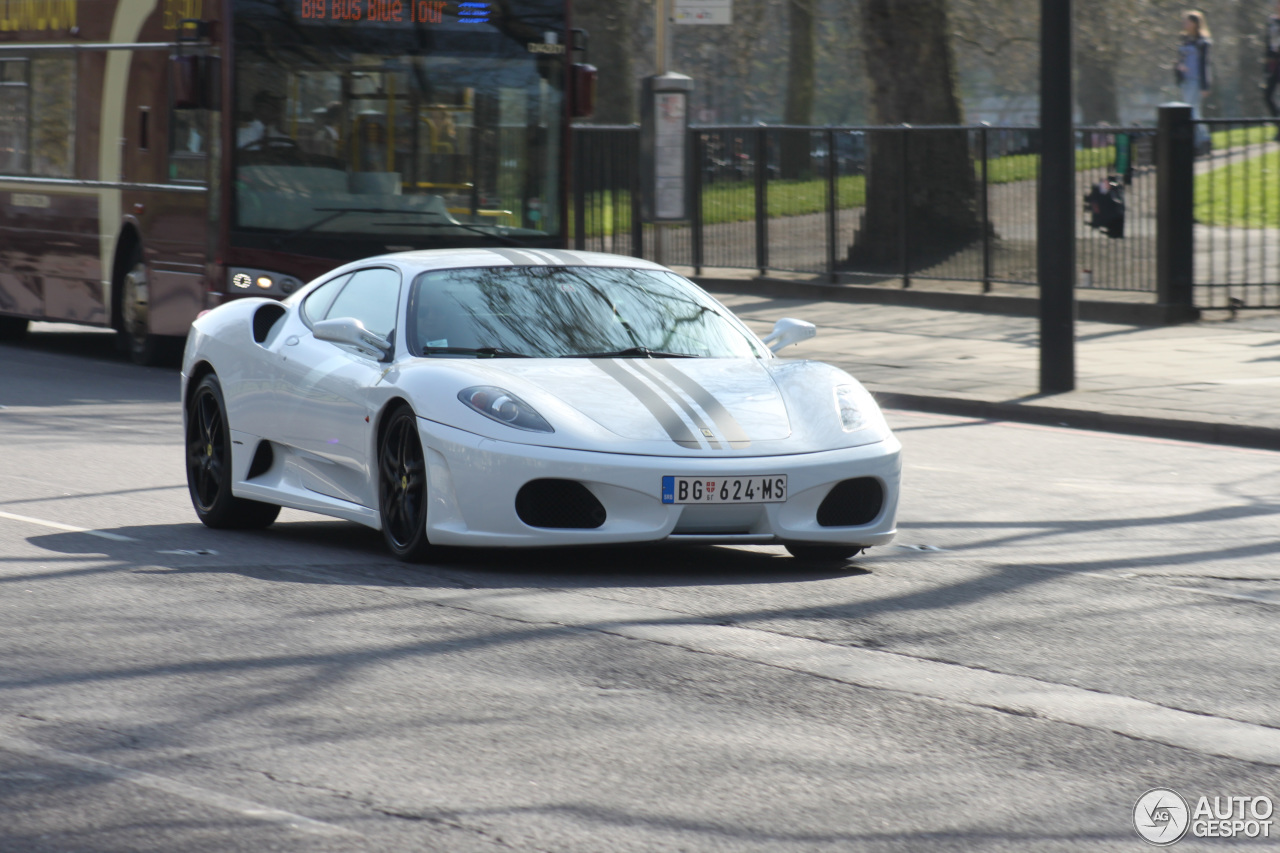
(516, 398)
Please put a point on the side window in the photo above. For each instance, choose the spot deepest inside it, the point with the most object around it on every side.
(372, 297)
(318, 301)
(53, 116)
(37, 116)
(15, 107)
(189, 140)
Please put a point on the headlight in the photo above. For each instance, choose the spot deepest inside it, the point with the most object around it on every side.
(504, 407)
(851, 405)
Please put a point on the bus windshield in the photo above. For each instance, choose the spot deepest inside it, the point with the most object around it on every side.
(397, 124)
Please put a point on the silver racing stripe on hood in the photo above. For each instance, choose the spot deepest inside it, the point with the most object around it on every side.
(725, 422)
(648, 372)
(665, 415)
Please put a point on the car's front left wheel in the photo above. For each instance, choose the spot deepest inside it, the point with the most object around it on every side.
(209, 464)
(402, 487)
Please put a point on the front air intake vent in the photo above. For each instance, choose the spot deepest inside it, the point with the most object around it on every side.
(852, 503)
(563, 504)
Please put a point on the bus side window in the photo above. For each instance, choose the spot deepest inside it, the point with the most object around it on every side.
(14, 99)
(189, 140)
(53, 116)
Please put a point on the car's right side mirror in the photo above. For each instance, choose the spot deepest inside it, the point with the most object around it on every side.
(788, 331)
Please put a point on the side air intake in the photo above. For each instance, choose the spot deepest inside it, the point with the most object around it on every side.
(563, 504)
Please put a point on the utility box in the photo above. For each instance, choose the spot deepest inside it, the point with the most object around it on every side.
(664, 147)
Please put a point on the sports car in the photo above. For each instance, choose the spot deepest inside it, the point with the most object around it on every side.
(515, 398)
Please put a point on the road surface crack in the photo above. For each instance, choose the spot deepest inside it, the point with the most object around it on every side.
(396, 812)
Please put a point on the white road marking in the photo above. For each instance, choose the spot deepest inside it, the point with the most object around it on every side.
(17, 743)
(881, 670)
(56, 525)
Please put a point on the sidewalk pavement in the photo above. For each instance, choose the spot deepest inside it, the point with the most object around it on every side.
(1212, 380)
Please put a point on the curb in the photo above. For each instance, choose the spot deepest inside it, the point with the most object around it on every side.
(1120, 313)
(1203, 432)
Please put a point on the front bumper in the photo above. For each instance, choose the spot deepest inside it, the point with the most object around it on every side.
(473, 483)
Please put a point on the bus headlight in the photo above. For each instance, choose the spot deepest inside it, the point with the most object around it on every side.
(262, 282)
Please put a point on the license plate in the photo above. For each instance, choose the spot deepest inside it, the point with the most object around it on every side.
(724, 490)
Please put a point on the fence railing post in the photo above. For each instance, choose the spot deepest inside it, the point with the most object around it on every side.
(903, 218)
(833, 201)
(761, 175)
(637, 200)
(1175, 201)
(579, 189)
(697, 149)
(986, 214)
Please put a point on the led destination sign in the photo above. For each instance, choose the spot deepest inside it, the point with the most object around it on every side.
(408, 12)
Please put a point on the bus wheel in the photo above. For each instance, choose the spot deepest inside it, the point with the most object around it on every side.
(12, 328)
(135, 323)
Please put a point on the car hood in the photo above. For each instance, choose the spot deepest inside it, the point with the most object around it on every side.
(694, 402)
(669, 407)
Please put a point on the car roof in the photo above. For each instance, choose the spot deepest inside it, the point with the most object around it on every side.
(428, 259)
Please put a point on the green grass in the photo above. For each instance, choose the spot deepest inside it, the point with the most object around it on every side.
(1242, 136)
(1242, 195)
(735, 201)
(1023, 167)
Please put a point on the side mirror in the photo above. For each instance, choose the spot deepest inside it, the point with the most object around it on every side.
(788, 331)
(351, 332)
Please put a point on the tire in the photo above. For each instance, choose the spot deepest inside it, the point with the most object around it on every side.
(814, 553)
(13, 328)
(402, 487)
(208, 444)
(135, 336)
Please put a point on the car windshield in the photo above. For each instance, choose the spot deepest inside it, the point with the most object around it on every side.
(551, 312)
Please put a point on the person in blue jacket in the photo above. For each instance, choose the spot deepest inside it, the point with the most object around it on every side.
(1192, 70)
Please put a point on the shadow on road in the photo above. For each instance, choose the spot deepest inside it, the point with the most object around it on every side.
(355, 551)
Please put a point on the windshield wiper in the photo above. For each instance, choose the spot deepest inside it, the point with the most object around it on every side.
(466, 226)
(632, 352)
(486, 352)
(336, 212)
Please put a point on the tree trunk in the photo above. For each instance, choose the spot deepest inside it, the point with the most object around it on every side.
(609, 24)
(1251, 18)
(924, 194)
(1096, 88)
(1097, 57)
(799, 104)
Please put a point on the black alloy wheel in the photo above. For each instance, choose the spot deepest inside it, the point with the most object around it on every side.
(402, 487)
(815, 553)
(209, 464)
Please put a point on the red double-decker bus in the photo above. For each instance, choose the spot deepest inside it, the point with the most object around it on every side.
(158, 157)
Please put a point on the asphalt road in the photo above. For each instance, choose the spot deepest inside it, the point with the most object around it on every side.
(1067, 620)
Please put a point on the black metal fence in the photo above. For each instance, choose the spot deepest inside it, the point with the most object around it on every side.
(1237, 215)
(861, 204)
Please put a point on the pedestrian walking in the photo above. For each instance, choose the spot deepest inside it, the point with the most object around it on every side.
(1271, 66)
(1192, 70)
